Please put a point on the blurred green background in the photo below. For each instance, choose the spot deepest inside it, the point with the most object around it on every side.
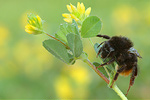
(28, 71)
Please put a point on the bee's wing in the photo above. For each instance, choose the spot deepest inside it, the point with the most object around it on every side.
(134, 51)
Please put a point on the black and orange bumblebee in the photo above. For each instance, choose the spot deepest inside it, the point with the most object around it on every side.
(120, 49)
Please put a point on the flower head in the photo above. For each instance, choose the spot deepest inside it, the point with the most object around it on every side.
(34, 25)
(78, 14)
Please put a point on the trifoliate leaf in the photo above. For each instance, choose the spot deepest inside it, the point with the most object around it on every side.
(57, 49)
(91, 27)
(73, 28)
(75, 44)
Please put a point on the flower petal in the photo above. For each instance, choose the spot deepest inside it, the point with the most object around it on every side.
(33, 22)
(88, 11)
(29, 31)
(30, 22)
(69, 8)
(78, 6)
(82, 8)
(69, 20)
(27, 26)
(74, 9)
(74, 17)
(33, 28)
(38, 18)
(30, 27)
(66, 15)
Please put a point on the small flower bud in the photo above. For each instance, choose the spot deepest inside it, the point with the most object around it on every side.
(35, 25)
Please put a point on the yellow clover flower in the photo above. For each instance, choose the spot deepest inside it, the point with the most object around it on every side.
(78, 14)
(34, 25)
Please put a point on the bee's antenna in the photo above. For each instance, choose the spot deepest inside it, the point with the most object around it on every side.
(100, 44)
(103, 36)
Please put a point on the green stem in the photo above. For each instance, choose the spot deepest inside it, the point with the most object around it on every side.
(115, 88)
(118, 91)
(57, 40)
(91, 42)
(96, 70)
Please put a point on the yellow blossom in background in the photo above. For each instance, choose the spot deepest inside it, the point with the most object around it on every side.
(82, 79)
(4, 34)
(34, 25)
(124, 15)
(4, 38)
(63, 88)
(77, 82)
(80, 74)
(8, 70)
(33, 60)
(147, 15)
(78, 14)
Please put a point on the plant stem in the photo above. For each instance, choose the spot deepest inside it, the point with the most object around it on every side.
(91, 42)
(117, 90)
(96, 70)
(57, 40)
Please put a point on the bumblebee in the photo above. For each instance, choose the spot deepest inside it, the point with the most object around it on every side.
(120, 49)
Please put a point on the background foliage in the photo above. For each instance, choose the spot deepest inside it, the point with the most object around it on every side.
(27, 70)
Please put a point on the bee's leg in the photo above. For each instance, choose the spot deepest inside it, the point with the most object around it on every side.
(99, 49)
(111, 50)
(134, 74)
(99, 52)
(117, 74)
(108, 55)
(104, 36)
(100, 44)
(107, 63)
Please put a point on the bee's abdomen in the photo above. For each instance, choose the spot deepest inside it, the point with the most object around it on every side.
(126, 72)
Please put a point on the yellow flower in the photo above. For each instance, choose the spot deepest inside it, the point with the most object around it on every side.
(78, 14)
(34, 25)
(63, 87)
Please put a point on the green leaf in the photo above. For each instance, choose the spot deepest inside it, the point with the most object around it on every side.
(69, 28)
(84, 56)
(57, 49)
(62, 32)
(73, 28)
(63, 28)
(91, 27)
(59, 35)
(75, 44)
(101, 69)
(95, 47)
(72, 60)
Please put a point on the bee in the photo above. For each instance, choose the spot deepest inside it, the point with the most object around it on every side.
(120, 49)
